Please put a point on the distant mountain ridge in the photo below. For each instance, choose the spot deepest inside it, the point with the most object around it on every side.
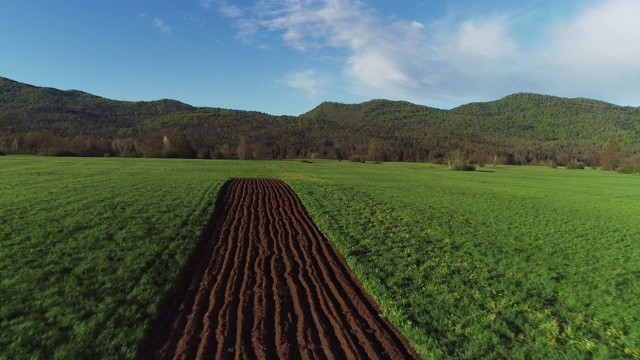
(519, 128)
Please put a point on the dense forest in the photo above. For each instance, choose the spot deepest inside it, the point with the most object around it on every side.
(518, 129)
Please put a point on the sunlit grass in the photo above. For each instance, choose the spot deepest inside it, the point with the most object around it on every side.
(90, 247)
(512, 262)
(504, 262)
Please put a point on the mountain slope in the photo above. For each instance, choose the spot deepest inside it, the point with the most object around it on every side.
(29, 108)
(520, 128)
(534, 116)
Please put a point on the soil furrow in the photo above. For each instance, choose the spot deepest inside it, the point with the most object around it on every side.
(203, 341)
(184, 310)
(317, 341)
(355, 318)
(368, 311)
(262, 332)
(227, 321)
(346, 330)
(264, 284)
(329, 315)
(303, 302)
(285, 318)
(245, 308)
(274, 321)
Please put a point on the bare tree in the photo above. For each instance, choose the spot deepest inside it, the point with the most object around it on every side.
(376, 150)
(242, 147)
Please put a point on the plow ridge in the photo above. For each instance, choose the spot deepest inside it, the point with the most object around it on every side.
(266, 284)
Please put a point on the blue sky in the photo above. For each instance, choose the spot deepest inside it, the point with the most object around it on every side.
(285, 57)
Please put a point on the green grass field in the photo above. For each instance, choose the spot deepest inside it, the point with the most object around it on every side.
(506, 262)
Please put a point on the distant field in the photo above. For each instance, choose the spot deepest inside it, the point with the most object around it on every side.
(513, 262)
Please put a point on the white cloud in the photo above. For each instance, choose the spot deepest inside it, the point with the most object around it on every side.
(604, 36)
(593, 53)
(488, 39)
(400, 59)
(160, 25)
(375, 69)
(309, 81)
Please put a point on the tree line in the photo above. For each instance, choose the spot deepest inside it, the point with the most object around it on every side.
(518, 129)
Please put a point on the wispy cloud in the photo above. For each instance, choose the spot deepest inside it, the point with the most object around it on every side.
(225, 8)
(309, 81)
(160, 25)
(401, 59)
(456, 59)
(206, 3)
(192, 18)
(231, 11)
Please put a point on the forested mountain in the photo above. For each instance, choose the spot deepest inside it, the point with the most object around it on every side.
(518, 129)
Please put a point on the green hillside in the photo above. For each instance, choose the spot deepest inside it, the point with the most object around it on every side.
(534, 116)
(517, 129)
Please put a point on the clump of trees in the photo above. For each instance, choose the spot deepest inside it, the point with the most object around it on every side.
(167, 143)
(611, 155)
(630, 166)
(575, 165)
(458, 162)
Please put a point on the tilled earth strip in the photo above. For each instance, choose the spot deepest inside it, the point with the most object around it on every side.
(269, 285)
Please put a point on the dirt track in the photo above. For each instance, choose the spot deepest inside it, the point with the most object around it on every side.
(269, 285)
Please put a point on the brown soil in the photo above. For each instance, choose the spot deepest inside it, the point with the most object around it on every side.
(266, 284)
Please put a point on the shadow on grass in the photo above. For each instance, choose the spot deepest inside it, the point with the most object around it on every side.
(160, 327)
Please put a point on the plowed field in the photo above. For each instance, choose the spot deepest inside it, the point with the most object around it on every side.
(266, 285)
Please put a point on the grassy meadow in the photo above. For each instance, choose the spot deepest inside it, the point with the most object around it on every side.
(504, 262)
